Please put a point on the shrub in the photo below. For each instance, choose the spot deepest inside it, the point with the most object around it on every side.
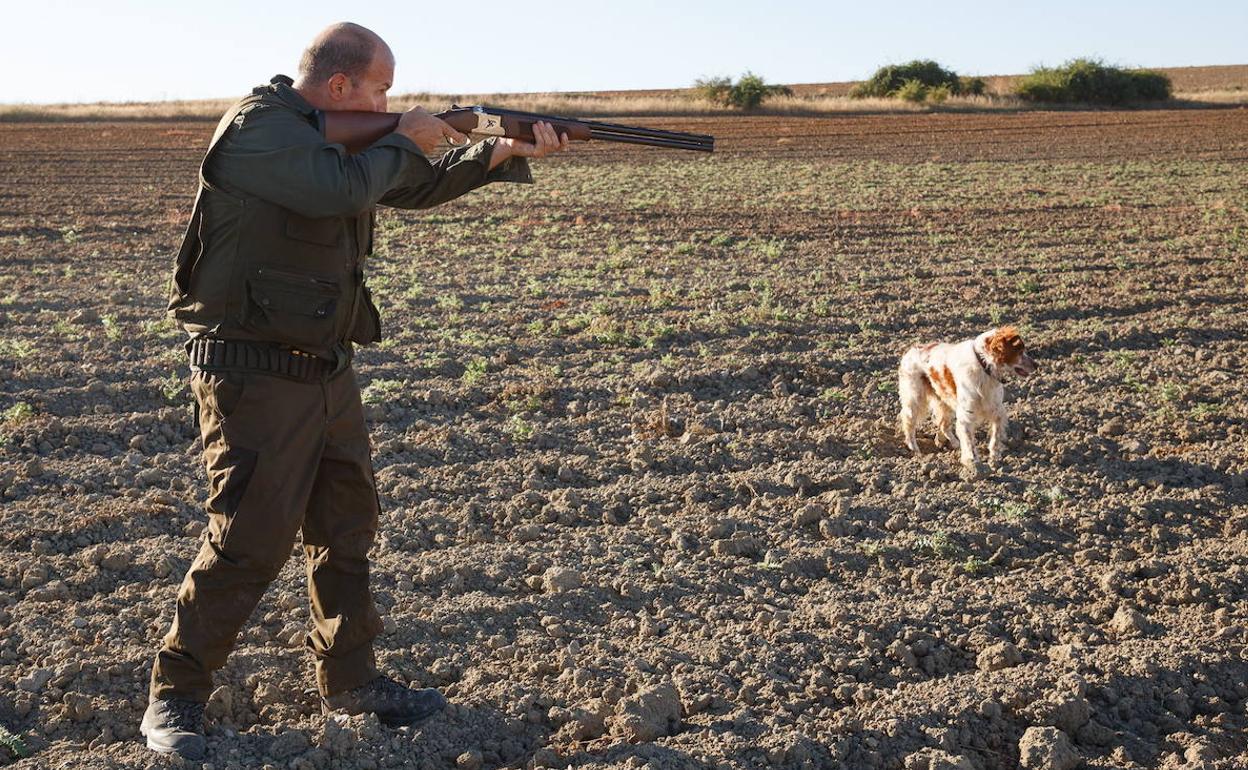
(713, 90)
(747, 93)
(888, 81)
(911, 91)
(972, 86)
(938, 94)
(1091, 81)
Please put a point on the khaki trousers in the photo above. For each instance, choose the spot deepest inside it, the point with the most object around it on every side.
(283, 458)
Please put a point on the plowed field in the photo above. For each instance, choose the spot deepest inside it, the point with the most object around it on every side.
(635, 437)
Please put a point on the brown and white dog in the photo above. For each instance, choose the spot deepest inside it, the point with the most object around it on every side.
(961, 384)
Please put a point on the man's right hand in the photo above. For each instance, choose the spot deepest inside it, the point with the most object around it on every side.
(426, 130)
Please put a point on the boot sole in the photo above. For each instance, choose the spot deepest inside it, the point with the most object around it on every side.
(389, 721)
(168, 750)
(408, 722)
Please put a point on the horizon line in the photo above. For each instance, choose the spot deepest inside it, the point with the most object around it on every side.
(174, 100)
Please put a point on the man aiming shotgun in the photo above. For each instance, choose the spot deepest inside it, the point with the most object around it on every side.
(269, 284)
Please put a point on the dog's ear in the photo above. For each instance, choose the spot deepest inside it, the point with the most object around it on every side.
(1004, 344)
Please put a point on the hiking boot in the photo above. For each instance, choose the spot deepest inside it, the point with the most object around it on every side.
(394, 704)
(175, 727)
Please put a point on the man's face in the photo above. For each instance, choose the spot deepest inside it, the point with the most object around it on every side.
(367, 92)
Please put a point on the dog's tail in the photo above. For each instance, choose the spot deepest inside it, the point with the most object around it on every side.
(912, 378)
(914, 391)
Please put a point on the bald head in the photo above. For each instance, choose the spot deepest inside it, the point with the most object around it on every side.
(347, 67)
(344, 47)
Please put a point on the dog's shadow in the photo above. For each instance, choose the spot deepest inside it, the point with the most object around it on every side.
(887, 441)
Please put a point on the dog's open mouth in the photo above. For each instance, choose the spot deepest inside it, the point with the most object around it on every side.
(1021, 372)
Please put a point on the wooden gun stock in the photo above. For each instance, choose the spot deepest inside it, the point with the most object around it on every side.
(357, 130)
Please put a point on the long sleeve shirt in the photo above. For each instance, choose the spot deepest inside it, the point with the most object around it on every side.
(279, 155)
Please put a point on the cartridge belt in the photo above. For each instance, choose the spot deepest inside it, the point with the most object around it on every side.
(209, 354)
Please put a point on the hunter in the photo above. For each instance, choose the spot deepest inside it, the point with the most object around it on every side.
(269, 284)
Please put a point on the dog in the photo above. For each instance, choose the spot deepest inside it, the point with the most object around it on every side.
(961, 384)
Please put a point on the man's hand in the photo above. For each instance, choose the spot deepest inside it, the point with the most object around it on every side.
(544, 143)
(426, 130)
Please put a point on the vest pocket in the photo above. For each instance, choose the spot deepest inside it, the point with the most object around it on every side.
(367, 328)
(296, 309)
(323, 232)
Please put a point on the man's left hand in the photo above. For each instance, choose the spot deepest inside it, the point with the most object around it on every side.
(544, 142)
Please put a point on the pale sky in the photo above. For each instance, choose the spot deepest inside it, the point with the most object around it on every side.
(63, 51)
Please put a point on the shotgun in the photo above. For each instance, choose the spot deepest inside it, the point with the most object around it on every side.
(357, 130)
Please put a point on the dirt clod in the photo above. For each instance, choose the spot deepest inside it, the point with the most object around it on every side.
(1127, 621)
(1046, 748)
(469, 760)
(998, 656)
(557, 579)
(647, 715)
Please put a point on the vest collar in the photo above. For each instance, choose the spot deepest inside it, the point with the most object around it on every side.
(282, 87)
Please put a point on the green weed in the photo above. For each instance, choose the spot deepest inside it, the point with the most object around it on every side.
(938, 544)
(14, 743)
(519, 429)
(975, 565)
(172, 387)
(475, 371)
(17, 414)
(17, 350)
(1010, 510)
(112, 329)
(383, 391)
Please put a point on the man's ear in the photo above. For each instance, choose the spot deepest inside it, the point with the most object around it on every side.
(339, 85)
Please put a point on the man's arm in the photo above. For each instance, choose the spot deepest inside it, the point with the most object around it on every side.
(459, 171)
(275, 154)
(466, 168)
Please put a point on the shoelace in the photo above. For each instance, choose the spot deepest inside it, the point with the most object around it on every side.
(389, 689)
(186, 715)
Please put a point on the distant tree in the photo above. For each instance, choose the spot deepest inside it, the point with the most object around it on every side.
(1091, 81)
(891, 79)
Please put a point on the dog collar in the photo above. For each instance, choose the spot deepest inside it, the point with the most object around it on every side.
(986, 366)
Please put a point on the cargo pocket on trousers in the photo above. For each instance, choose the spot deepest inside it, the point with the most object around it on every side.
(296, 309)
(231, 474)
(223, 392)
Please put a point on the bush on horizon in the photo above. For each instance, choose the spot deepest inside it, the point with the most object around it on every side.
(915, 80)
(747, 93)
(1091, 81)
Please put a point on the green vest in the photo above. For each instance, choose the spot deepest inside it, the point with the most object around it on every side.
(251, 270)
